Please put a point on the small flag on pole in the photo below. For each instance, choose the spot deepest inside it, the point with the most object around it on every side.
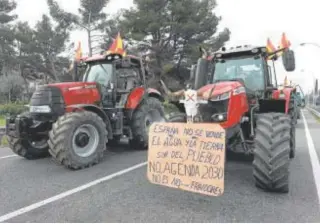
(78, 54)
(284, 43)
(270, 48)
(117, 47)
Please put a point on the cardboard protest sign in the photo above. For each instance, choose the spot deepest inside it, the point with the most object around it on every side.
(187, 156)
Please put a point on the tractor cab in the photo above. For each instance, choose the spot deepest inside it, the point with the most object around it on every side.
(245, 65)
(115, 76)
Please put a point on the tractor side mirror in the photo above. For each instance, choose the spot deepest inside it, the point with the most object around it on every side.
(201, 74)
(288, 60)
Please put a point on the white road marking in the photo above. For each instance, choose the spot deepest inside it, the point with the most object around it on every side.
(68, 193)
(5, 157)
(313, 157)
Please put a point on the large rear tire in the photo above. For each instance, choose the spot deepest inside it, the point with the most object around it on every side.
(78, 140)
(149, 111)
(271, 152)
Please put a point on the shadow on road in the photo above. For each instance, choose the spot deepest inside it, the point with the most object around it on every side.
(122, 147)
(239, 157)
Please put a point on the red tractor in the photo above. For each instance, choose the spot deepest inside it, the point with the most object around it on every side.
(74, 121)
(299, 101)
(240, 93)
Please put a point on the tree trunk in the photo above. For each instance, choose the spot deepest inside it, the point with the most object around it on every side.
(89, 43)
(9, 96)
(89, 35)
(54, 70)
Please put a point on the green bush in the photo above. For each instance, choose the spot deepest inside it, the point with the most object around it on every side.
(169, 107)
(12, 109)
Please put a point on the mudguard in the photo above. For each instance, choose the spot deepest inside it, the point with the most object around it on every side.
(283, 94)
(95, 109)
(138, 94)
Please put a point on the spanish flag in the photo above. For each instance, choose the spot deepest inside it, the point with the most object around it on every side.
(78, 54)
(117, 47)
(285, 43)
(270, 47)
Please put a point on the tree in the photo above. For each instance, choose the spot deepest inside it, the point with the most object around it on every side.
(11, 86)
(111, 28)
(173, 30)
(40, 48)
(7, 51)
(91, 18)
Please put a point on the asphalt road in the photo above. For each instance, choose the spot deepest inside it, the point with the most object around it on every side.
(39, 191)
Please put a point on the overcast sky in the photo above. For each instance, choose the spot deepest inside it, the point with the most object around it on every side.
(250, 22)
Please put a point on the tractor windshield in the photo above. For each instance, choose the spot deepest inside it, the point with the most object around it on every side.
(249, 70)
(99, 72)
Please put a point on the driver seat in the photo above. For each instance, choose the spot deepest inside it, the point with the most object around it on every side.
(126, 82)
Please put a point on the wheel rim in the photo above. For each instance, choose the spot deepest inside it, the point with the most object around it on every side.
(85, 140)
(39, 144)
(153, 116)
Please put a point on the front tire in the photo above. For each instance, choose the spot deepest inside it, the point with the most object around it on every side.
(149, 111)
(34, 147)
(271, 152)
(29, 149)
(78, 140)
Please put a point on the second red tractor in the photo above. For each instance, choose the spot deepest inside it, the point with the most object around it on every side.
(240, 93)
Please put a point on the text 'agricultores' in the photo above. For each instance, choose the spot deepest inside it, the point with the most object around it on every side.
(187, 156)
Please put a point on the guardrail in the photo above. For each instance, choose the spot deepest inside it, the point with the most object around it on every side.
(313, 111)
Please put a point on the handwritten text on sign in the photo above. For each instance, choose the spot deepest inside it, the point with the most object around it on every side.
(188, 156)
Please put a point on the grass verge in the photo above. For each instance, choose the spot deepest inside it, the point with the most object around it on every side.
(315, 116)
(2, 121)
(4, 141)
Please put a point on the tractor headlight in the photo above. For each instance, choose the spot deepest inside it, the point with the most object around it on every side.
(282, 96)
(40, 109)
(222, 96)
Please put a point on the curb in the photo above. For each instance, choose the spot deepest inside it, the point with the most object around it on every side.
(313, 111)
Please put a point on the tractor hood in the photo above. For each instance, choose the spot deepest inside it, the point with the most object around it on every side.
(66, 86)
(219, 88)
